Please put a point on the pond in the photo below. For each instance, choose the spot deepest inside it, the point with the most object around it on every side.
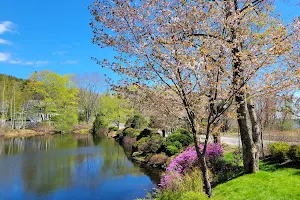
(70, 167)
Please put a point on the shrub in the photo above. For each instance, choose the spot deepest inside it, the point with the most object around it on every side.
(113, 128)
(171, 150)
(224, 171)
(188, 160)
(184, 139)
(193, 196)
(99, 124)
(279, 150)
(183, 131)
(130, 132)
(138, 121)
(177, 144)
(288, 125)
(294, 153)
(158, 159)
(186, 187)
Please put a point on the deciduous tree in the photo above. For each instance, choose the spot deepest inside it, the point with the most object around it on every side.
(208, 53)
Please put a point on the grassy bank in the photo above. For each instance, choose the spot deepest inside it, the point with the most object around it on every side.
(277, 179)
(271, 182)
(21, 133)
(80, 129)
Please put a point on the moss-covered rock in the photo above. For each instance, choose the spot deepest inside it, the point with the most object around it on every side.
(153, 144)
(137, 154)
(130, 132)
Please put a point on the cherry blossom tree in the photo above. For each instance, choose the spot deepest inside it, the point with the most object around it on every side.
(207, 53)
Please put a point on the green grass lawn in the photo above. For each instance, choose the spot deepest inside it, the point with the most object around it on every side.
(273, 181)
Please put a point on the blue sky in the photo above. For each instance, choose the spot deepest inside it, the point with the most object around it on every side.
(48, 34)
(55, 35)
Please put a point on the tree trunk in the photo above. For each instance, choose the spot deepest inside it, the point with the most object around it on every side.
(205, 175)
(203, 167)
(255, 133)
(217, 138)
(11, 113)
(3, 117)
(14, 109)
(249, 160)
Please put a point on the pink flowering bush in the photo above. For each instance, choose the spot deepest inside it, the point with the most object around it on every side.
(188, 159)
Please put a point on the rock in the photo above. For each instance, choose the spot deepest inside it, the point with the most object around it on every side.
(139, 159)
(136, 154)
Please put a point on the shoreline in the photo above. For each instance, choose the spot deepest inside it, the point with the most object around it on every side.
(28, 133)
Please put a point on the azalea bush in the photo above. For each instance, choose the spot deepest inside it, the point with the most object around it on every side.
(188, 159)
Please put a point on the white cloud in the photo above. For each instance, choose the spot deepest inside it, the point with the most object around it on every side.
(6, 26)
(36, 63)
(59, 53)
(15, 62)
(4, 57)
(69, 62)
(31, 63)
(2, 41)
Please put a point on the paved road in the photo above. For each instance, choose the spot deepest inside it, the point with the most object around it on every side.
(231, 140)
(235, 141)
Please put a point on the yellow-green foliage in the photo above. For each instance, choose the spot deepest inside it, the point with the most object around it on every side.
(279, 150)
(171, 150)
(59, 97)
(138, 121)
(130, 132)
(114, 109)
(187, 187)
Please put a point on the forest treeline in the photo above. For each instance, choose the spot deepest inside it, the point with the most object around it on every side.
(58, 102)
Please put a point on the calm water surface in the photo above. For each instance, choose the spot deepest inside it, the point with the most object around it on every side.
(70, 167)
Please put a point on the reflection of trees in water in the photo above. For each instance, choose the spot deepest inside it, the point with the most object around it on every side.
(44, 175)
(51, 170)
(19, 145)
(117, 162)
(66, 165)
(153, 173)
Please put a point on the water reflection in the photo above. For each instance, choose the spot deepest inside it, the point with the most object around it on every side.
(70, 167)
